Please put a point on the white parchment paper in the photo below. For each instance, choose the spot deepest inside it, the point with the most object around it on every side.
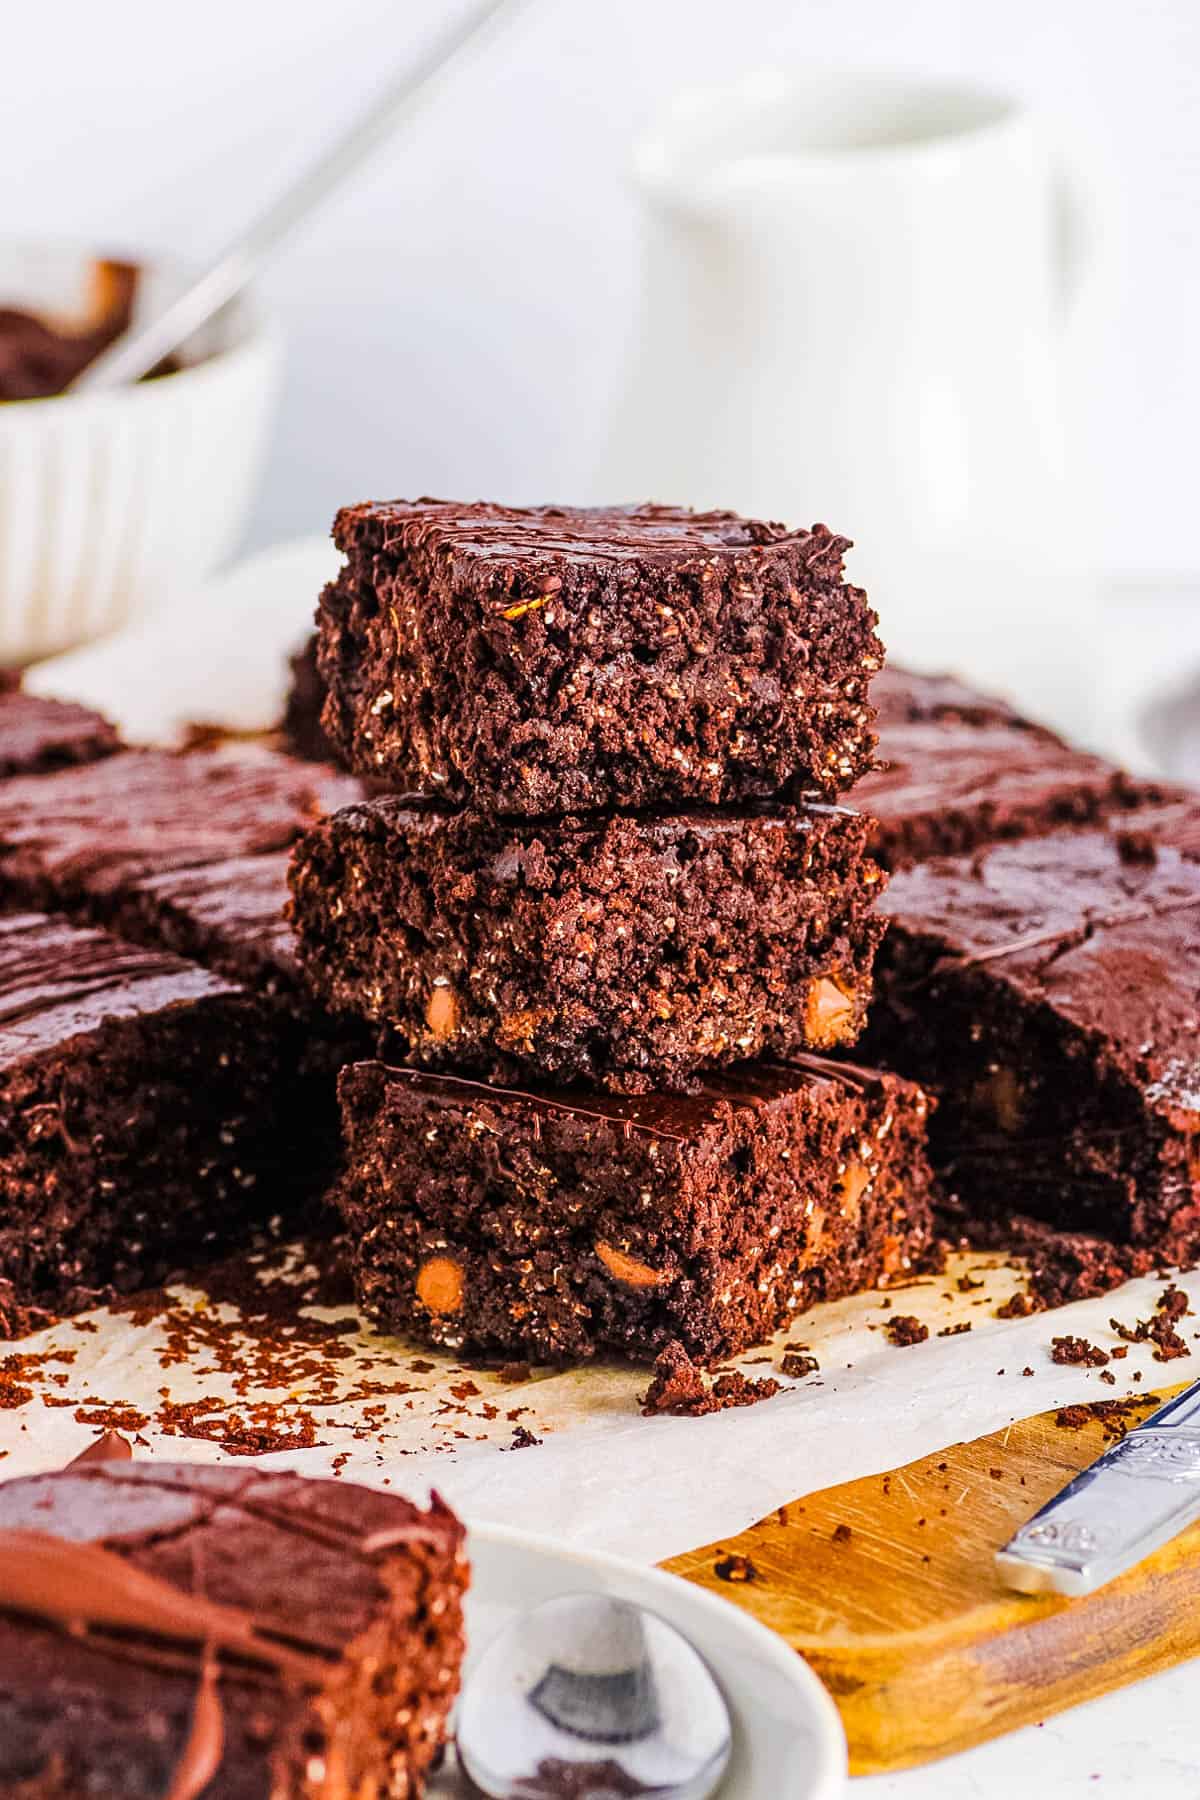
(602, 1475)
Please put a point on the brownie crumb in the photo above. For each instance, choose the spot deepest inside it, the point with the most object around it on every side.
(514, 1373)
(1171, 1306)
(1018, 1306)
(906, 1329)
(1108, 1376)
(796, 1363)
(956, 1330)
(736, 1568)
(1071, 1350)
(678, 1387)
(1115, 1416)
(1027, 1370)
(522, 1439)
(842, 1534)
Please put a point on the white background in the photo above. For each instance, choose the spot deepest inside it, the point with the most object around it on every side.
(456, 323)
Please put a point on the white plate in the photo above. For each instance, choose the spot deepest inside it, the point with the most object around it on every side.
(788, 1742)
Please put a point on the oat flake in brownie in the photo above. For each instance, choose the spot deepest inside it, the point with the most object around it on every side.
(559, 659)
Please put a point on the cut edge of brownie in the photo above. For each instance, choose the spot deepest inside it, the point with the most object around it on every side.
(561, 1226)
(144, 1123)
(1055, 1022)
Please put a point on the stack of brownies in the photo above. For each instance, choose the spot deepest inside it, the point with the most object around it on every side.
(613, 919)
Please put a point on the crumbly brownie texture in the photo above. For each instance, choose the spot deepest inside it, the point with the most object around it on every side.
(947, 787)
(38, 735)
(571, 659)
(1049, 993)
(143, 1123)
(303, 732)
(180, 1630)
(627, 953)
(75, 840)
(904, 697)
(557, 1226)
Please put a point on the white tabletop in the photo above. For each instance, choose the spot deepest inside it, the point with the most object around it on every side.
(1142, 1741)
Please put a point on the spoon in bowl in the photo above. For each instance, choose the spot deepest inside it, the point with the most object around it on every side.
(145, 345)
(589, 1698)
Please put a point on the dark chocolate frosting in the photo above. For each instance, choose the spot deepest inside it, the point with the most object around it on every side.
(490, 534)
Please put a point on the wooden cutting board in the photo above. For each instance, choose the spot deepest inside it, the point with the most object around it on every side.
(886, 1587)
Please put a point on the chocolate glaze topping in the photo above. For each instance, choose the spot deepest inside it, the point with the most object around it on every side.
(544, 535)
(56, 981)
(670, 1116)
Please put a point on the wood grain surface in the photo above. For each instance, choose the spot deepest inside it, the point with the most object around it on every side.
(886, 1586)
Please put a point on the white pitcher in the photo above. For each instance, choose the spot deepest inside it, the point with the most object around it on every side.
(853, 299)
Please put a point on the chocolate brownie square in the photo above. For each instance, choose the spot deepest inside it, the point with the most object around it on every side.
(174, 1630)
(904, 697)
(946, 786)
(1048, 992)
(624, 952)
(37, 735)
(559, 1225)
(74, 841)
(144, 1123)
(557, 659)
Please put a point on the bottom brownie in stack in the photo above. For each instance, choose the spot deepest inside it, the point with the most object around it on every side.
(1048, 992)
(172, 1630)
(560, 1225)
(143, 1122)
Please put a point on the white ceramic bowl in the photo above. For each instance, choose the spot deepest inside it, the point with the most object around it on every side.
(106, 498)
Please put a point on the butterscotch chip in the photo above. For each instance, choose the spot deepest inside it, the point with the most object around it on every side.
(853, 1184)
(440, 1284)
(829, 1013)
(627, 1269)
(441, 1014)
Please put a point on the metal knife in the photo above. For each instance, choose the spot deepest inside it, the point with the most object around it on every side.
(1141, 1493)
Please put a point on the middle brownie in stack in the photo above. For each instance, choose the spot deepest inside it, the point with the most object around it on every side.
(644, 717)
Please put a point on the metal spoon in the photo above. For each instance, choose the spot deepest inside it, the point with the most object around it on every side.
(145, 345)
(587, 1698)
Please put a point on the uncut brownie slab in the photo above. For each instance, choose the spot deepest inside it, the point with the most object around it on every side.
(38, 735)
(73, 841)
(559, 1225)
(562, 659)
(948, 785)
(145, 1121)
(174, 1630)
(622, 952)
(1049, 993)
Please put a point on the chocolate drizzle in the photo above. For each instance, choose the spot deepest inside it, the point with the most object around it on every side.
(204, 1750)
(82, 1587)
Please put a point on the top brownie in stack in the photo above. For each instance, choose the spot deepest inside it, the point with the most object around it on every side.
(570, 659)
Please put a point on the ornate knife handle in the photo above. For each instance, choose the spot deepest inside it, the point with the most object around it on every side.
(1138, 1495)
